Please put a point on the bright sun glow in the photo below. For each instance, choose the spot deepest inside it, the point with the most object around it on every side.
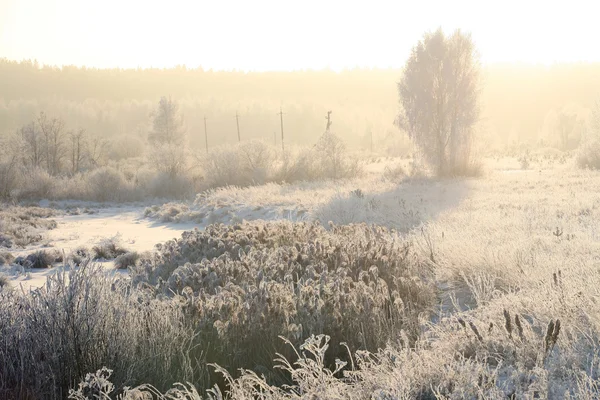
(284, 34)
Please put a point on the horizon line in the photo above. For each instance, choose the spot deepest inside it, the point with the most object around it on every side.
(185, 67)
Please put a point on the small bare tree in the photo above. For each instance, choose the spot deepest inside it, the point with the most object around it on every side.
(439, 97)
(168, 138)
(9, 160)
(32, 142)
(54, 147)
(96, 151)
(77, 149)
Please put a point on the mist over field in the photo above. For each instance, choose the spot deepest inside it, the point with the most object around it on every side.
(299, 201)
(520, 103)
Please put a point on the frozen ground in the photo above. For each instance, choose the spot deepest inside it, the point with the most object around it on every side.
(136, 233)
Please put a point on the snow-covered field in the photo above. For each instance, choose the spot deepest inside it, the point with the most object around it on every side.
(518, 244)
(373, 198)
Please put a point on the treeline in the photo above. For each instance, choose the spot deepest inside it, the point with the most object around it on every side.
(522, 104)
(48, 159)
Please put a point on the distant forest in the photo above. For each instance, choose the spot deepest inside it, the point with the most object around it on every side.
(522, 105)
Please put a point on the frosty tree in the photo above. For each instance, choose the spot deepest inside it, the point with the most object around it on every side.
(167, 124)
(168, 138)
(439, 98)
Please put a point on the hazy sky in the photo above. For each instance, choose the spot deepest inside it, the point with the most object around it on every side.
(288, 34)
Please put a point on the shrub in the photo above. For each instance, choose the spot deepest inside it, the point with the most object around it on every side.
(106, 184)
(169, 158)
(82, 320)
(332, 159)
(5, 257)
(589, 155)
(169, 212)
(5, 241)
(80, 255)
(251, 283)
(4, 281)
(165, 186)
(36, 184)
(473, 168)
(524, 161)
(244, 164)
(109, 248)
(22, 226)
(125, 147)
(126, 260)
(394, 174)
(8, 179)
(41, 259)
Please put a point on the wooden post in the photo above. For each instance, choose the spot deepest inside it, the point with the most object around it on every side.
(281, 119)
(237, 121)
(328, 118)
(205, 135)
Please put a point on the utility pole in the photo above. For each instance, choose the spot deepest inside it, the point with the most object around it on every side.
(281, 119)
(328, 118)
(371, 131)
(205, 135)
(237, 121)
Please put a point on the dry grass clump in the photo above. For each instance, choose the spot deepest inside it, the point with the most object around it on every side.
(169, 212)
(4, 281)
(83, 319)
(127, 260)
(6, 258)
(248, 284)
(589, 155)
(109, 248)
(80, 255)
(40, 259)
(394, 173)
(22, 226)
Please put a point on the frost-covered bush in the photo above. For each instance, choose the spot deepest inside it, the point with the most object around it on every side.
(255, 163)
(109, 248)
(22, 226)
(4, 281)
(164, 186)
(327, 159)
(80, 255)
(126, 260)
(251, 283)
(107, 183)
(333, 162)
(589, 155)
(169, 212)
(394, 173)
(40, 259)
(244, 164)
(82, 320)
(5, 257)
(8, 178)
(36, 184)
